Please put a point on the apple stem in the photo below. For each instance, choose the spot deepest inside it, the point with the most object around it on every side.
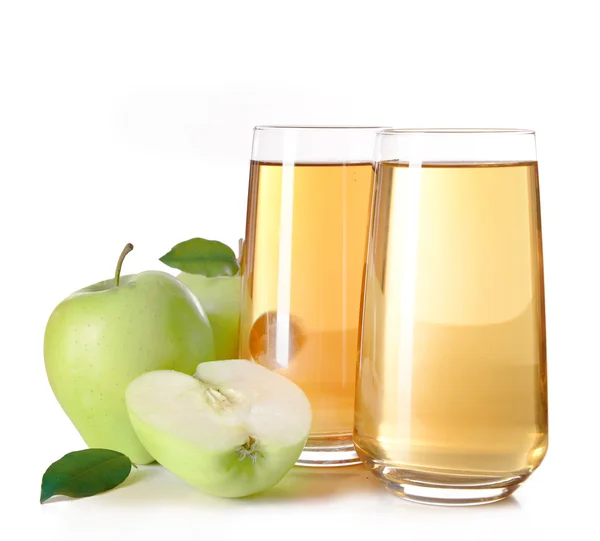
(126, 250)
(240, 250)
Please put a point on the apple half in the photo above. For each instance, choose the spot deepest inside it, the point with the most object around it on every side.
(233, 429)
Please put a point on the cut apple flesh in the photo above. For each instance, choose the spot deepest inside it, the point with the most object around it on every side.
(233, 429)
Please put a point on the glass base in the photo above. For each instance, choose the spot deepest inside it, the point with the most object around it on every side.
(445, 488)
(326, 451)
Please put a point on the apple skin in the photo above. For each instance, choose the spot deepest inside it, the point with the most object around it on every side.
(215, 472)
(220, 297)
(102, 337)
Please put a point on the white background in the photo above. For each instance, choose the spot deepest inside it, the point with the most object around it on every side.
(131, 121)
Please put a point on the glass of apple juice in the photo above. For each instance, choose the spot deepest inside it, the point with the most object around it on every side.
(302, 270)
(451, 403)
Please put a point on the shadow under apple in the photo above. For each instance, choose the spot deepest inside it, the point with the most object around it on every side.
(153, 483)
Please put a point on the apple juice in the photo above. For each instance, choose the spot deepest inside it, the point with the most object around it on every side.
(452, 382)
(302, 272)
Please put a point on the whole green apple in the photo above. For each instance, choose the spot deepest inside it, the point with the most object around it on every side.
(220, 297)
(102, 337)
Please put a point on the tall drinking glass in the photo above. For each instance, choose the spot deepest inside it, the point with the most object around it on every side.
(451, 403)
(302, 270)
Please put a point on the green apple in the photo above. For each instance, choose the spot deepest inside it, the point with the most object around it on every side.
(220, 297)
(233, 429)
(102, 337)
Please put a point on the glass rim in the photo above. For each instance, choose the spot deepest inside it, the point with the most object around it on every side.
(456, 131)
(324, 127)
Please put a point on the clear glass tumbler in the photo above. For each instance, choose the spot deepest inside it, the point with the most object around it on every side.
(302, 270)
(451, 404)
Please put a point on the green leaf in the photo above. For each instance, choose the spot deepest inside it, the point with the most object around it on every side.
(201, 256)
(85, 473)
